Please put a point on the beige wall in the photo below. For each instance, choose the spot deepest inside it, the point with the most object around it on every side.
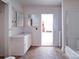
(3, 28)
(2, 34)
(70, 4)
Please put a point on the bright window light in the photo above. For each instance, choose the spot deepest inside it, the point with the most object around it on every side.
(47, 34)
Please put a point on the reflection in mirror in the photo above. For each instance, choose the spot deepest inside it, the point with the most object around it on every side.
(32, 20)
(14, 18)
(20, 19)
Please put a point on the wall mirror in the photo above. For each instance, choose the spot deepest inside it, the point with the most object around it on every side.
(33, 20)
(19, 19)
(16, 18)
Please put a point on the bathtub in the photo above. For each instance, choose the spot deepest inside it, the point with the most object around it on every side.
(71, 53)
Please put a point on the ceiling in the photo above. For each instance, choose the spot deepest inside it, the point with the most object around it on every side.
(40, 2)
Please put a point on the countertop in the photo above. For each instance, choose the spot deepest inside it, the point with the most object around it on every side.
(19, 36)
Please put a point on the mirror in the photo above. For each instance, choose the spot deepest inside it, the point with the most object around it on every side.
(19, 20)
(16, 18)
(32, 20)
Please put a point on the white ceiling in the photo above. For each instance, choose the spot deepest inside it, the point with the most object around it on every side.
(40, 2)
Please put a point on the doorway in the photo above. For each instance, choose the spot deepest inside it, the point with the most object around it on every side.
(47, 29)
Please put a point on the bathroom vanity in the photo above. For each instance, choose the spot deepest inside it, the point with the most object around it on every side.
(19, 44)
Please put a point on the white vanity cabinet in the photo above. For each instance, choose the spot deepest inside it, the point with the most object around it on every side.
(20, 44)
(27, 42)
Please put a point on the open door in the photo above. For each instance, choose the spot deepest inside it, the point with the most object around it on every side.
(47, 29)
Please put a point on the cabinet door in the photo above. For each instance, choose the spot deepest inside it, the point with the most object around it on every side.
(26, 43)
(30, 40)
(17, 47)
